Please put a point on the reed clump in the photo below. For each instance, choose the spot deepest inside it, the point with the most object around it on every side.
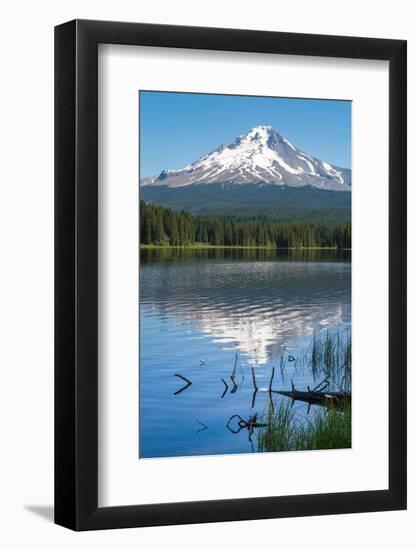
(329, 359)
(328, 428)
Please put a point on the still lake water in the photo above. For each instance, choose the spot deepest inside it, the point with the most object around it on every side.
(202, 311)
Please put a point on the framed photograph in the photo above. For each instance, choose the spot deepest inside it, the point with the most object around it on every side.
(230, 275)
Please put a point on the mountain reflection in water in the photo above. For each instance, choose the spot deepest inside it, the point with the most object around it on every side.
(202, 308)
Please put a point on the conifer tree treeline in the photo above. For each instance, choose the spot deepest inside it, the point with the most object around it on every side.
(163, 226)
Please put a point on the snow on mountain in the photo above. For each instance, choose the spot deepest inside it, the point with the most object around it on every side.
(261, 156)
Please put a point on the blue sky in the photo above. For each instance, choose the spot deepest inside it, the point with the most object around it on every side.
(177, 128)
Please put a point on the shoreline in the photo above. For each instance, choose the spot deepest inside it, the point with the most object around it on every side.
(237, 247)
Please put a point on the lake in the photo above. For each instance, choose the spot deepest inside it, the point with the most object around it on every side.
(206, 314)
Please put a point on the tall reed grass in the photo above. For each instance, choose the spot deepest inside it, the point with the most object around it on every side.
(329, 359)
(283, 431)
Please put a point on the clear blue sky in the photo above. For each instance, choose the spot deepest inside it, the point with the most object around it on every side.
(177, 128)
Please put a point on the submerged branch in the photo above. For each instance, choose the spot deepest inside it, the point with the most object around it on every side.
(225, 388)
(187, 385)
(272, 378)
(254, 379)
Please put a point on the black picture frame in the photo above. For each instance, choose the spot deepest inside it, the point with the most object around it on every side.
(76, 272)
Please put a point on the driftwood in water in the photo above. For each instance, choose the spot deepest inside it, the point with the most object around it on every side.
(187, 385)
(226, 387)
(235, 386)
(318, 397)
(203, 426)
(250, 424)
(255, 387)
(271, 379)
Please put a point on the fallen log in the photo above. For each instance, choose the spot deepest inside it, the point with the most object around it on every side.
(318, 397)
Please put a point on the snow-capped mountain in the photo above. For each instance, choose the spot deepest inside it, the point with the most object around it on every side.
(261, 156)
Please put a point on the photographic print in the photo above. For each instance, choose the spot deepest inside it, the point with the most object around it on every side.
(245, 274)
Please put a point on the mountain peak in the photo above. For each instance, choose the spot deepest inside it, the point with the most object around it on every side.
(260, 156)
(261, 130)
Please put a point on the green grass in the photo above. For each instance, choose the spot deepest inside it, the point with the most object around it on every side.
(328, 358)
(328, 428)
(278, 434)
